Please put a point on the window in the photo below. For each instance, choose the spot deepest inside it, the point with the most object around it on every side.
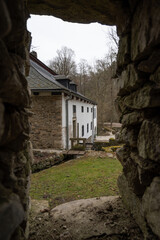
(91, 109)
(94, 113)
(74, 108)
(87, 109)
(82, 109)
(82, 130)
(87, 127)
(91, 125)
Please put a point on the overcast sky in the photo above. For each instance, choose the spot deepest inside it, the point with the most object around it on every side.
(88, 41)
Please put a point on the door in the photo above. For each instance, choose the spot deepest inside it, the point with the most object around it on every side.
(77, 130)
(74, 128)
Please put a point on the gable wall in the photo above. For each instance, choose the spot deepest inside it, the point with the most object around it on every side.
(83, 118)
(80, 117)
(46, 122)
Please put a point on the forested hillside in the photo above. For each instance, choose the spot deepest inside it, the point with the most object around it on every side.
(97, 82)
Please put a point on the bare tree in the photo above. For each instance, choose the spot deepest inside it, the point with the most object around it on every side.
(100, 88)
(112, 35)
(64, 62)
(82, 75)
(111, 59)
(94, 82)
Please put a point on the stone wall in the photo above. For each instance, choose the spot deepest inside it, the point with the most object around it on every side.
(45, 159)
(15, 154)
(138, 103)
(46, 122)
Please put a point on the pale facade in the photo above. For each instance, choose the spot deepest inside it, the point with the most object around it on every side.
(82, 120)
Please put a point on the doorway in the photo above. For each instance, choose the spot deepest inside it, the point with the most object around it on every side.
(74, 129)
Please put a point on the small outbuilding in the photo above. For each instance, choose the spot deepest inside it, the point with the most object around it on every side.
(59, 111)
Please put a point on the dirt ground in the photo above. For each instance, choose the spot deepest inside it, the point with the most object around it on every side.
(88, 219)
(101, 154)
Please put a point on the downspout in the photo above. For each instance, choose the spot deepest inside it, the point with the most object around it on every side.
(67, 122)
(93, 124)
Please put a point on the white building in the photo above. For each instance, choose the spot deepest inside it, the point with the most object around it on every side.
(60, 112)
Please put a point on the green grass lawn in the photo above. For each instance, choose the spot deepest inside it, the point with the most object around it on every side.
(76, 179)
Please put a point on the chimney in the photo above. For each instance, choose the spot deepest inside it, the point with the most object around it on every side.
(34, 53)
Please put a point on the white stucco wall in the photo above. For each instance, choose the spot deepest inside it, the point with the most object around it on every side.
(83, 118)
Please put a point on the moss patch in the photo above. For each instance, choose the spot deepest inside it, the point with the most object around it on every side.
(111, 149)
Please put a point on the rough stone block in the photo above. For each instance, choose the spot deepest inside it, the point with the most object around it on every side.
(145, 176)
(1, 120)
(15, 40)
(134, 205)
(123, 154)
(147, 169)
(121, 108)
(14, 92)
(151, 63)
(120, 87)
(129, 136)
(131, 80)
(16, 124)
(5, 20)
(133, 4)
(148, 141)
(146, 97)
(123, 54)
(11, 213)
(156, 77)
(130, 171)
(151, 205)
(133, 118)
(145, 28)
(107, 12)
(7, 160)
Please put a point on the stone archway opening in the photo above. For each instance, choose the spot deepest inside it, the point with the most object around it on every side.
(138, 103)
(84, 71)
(61, 199)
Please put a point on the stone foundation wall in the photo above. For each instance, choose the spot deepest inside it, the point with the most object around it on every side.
(138, 103)
(46, 122)
(44, 159)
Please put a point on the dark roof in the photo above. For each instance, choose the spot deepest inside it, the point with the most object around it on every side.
(35, 59)
(42, 78)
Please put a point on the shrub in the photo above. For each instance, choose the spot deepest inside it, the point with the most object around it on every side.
(111, 149)
(113, 142)
(78, 147)
(98, 146)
